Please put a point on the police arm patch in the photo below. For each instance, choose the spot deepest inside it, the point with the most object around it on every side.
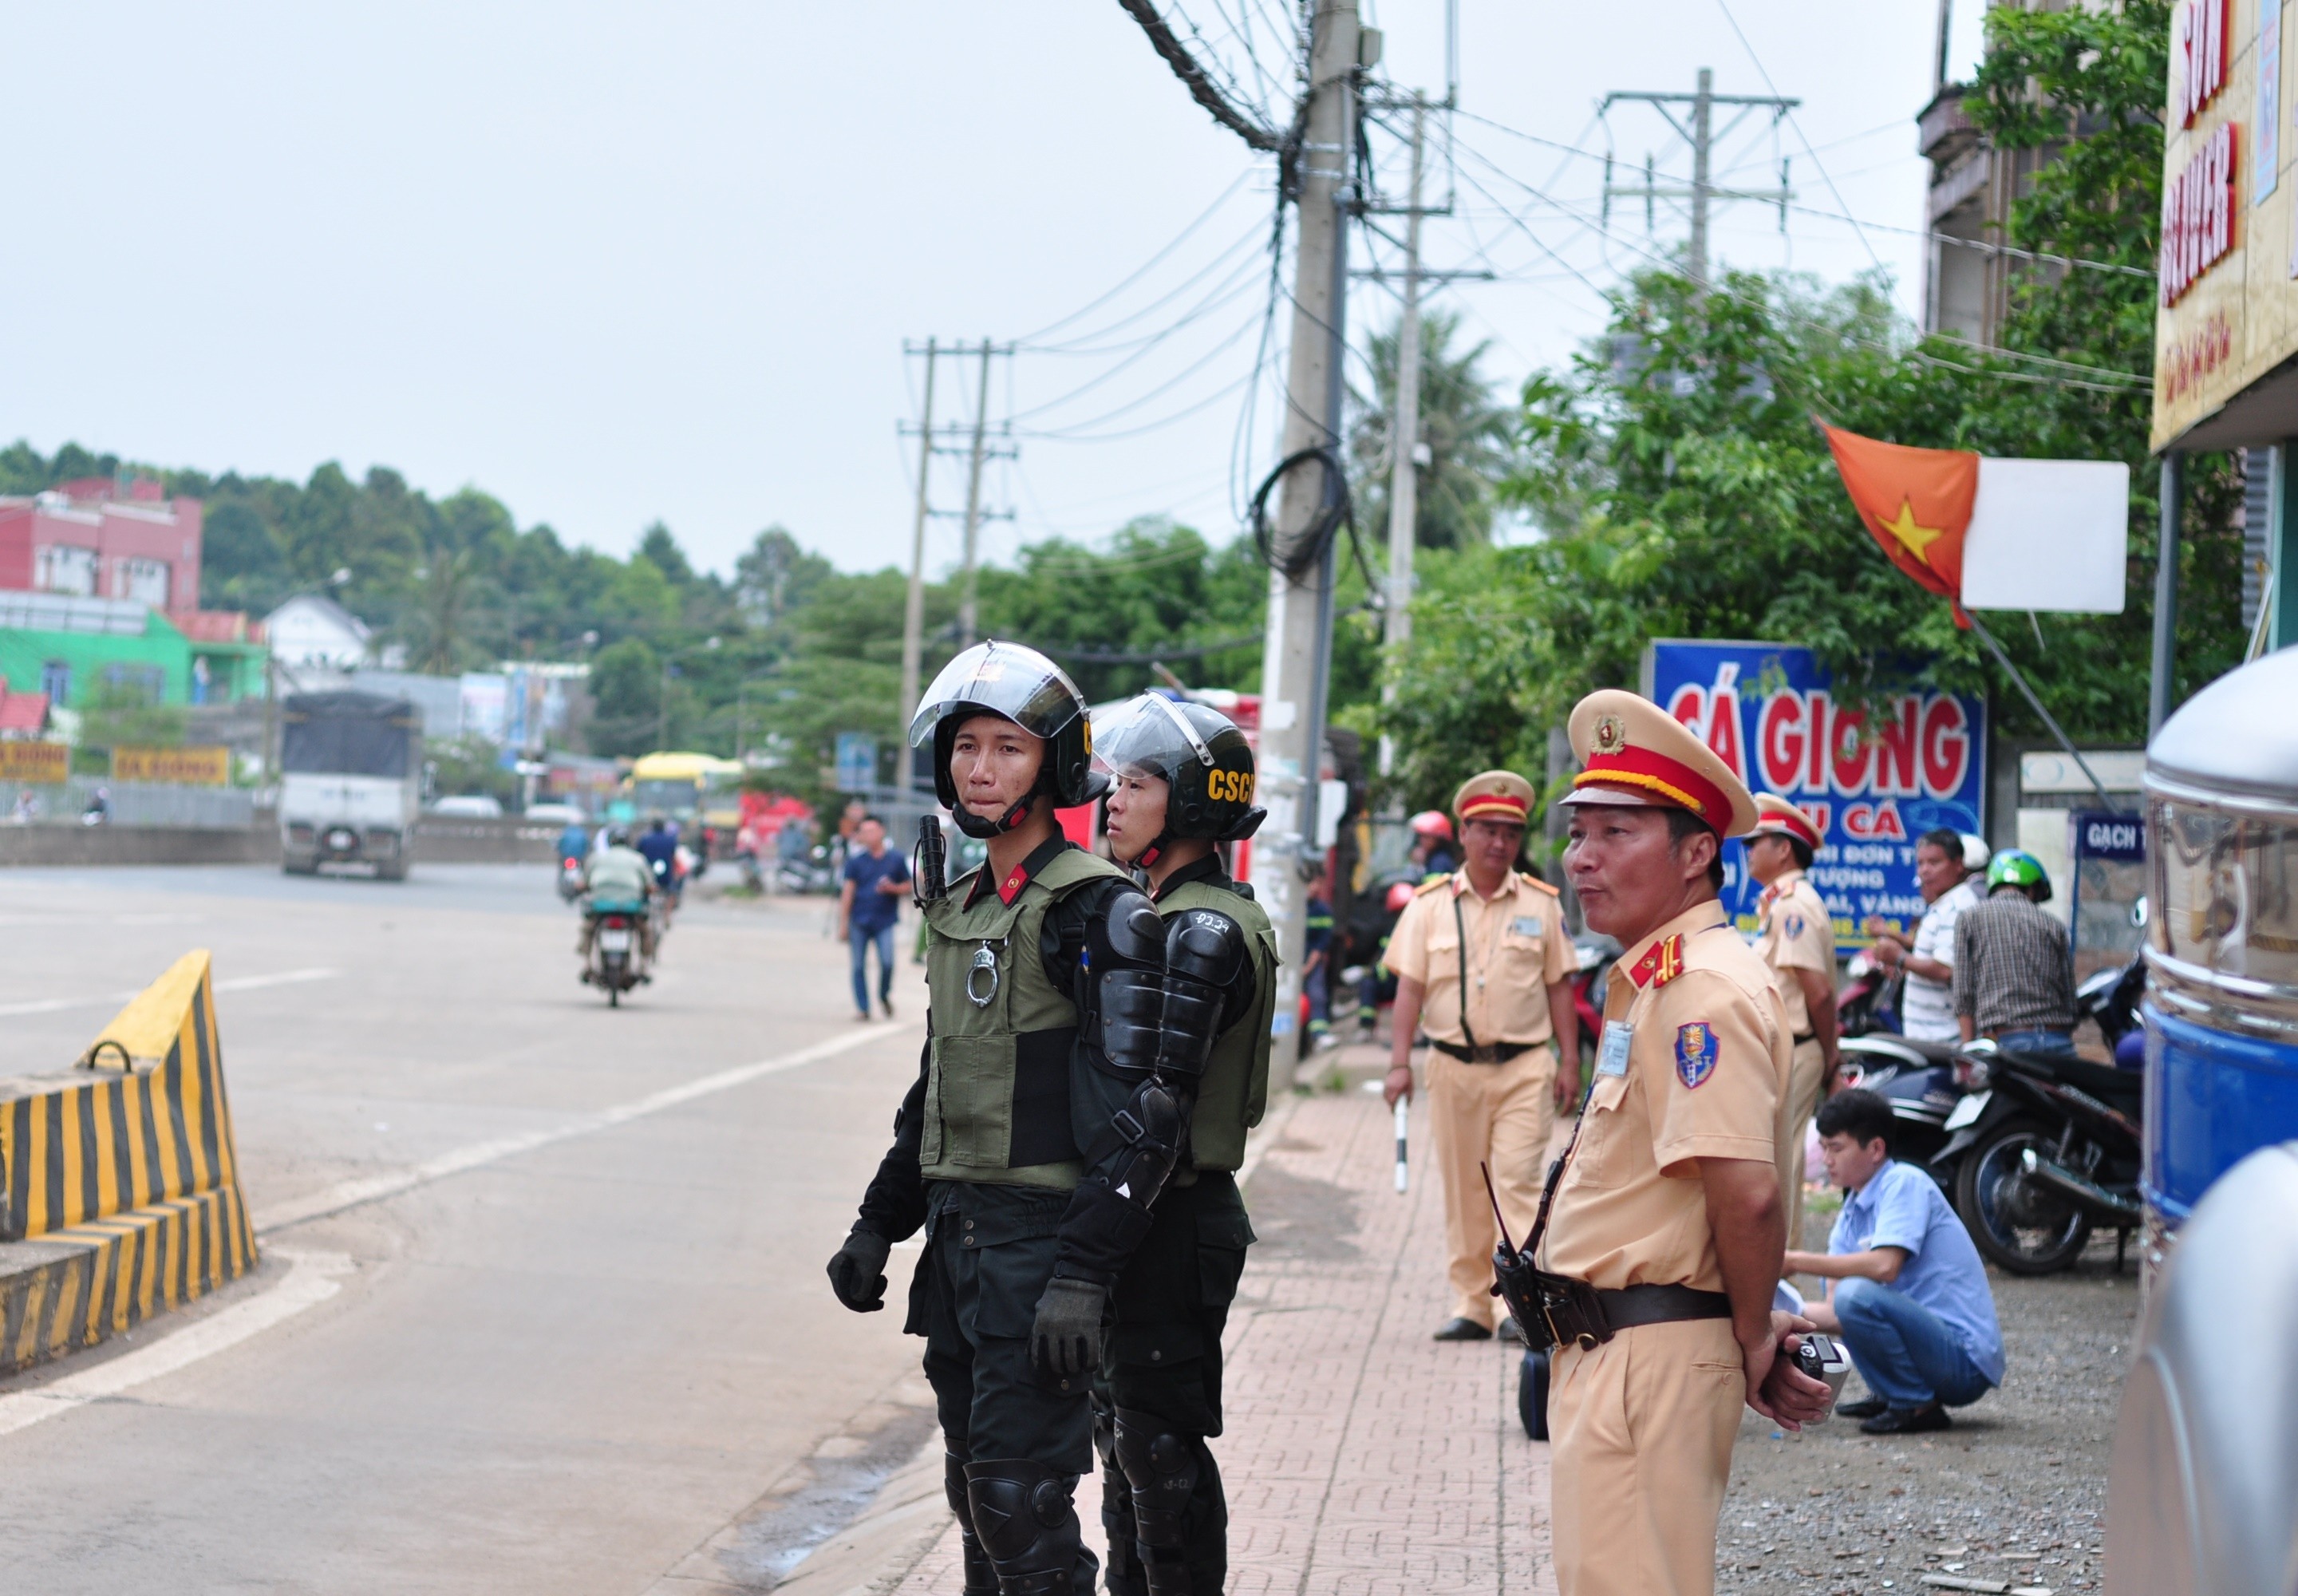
(1695, 1054)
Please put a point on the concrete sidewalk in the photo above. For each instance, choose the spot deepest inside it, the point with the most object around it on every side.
(1360, 1456)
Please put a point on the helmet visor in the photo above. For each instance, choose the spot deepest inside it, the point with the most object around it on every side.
(1147, 735)
(1005, 679)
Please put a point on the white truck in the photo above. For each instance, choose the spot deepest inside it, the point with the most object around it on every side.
(350, 781)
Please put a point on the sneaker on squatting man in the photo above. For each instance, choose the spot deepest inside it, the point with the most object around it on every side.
(1796, 937)
(1667, 1232)
(1485, 968)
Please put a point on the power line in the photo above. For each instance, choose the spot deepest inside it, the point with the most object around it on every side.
(1201, 86)
(1810, 154)
(1179, 238)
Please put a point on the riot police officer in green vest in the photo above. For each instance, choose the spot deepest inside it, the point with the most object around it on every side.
(1032, 1173)
(1181, 779)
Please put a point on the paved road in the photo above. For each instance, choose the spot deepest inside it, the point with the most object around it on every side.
(583, 1331)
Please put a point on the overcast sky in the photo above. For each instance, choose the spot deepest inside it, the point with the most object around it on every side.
(617, 263)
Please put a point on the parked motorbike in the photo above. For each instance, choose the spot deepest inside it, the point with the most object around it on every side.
(1918, 1079)
(1869, 999)
(616, 965)
(2048, 1146)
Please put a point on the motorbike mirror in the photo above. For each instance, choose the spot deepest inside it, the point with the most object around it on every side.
(2138, 913)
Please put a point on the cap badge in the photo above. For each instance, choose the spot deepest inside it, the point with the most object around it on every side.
(1611, 734)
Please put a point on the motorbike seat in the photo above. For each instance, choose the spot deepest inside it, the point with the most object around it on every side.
(616, 906)
(2118, 1089)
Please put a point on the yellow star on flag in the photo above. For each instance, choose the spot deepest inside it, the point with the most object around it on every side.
(1916, 539)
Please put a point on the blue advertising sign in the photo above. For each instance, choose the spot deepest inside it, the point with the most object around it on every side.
(1873, 781)
(856, 761)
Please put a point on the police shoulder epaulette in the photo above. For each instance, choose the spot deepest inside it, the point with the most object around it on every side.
(1430, 885)
(1530, 880)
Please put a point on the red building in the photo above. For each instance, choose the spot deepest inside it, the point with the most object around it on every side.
(95, 539)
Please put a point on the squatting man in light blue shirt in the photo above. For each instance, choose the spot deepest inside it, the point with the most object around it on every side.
(1906, 1292)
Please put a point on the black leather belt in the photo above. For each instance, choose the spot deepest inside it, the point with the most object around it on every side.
(1489, 1052)
(1660, 1305)
(1806, 1036)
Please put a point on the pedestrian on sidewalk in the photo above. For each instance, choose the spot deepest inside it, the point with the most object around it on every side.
(1666, 1235)
(1006, 1162)
(2014, 977)
(1907, 1290)
(869, 907)
(1927, 998)
(1482, 964)
(1796, 940)
(1181, 784)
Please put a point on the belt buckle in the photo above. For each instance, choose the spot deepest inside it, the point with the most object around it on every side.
(1484, 1053)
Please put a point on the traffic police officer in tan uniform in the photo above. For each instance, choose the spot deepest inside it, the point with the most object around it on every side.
(1796, 937)
(1668, 1202)
(1484, 965)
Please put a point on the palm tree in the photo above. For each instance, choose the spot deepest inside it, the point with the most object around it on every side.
(1465, 435)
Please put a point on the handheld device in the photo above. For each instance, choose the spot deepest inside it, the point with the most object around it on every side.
(1403, 1124)
(1822, 1358)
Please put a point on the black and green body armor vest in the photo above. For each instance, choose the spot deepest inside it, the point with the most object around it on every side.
(997, 1092)
(1234, 1091)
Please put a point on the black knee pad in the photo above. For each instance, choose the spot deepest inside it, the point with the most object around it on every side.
(1021, 1510)
(1163, 1468)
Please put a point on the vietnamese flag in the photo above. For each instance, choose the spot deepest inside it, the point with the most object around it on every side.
(1915, 502)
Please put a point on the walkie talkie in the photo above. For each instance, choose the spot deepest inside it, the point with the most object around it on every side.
(1514, 1277)
(930, 862)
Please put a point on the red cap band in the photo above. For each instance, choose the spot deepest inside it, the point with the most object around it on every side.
(1791, 822)
(1666, 778)
(1501, 804)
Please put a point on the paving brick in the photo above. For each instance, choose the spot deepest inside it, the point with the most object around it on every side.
(1362, 1458)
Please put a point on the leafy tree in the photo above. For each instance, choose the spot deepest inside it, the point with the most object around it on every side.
(1467, 431)
(626, 697)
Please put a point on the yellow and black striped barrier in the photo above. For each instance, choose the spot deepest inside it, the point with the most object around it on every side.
(121, 1192)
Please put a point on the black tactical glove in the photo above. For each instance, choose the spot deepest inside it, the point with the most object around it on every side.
(1066, 1339)
(858, 1273)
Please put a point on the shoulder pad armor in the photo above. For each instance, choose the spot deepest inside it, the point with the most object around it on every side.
(1205, 945)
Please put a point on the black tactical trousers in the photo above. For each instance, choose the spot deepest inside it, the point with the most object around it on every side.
(1159, 1394)
(989, 1252)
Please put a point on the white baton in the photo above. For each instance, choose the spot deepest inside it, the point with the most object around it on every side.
(1403, 1123)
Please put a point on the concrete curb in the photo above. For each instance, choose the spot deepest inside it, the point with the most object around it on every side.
(122, 1190)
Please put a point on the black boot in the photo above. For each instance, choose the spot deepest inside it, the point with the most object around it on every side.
(1180, 1522)
(1125, 1577)
(1029, 1527)
(981, 1577)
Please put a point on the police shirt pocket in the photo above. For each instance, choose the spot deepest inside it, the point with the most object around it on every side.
(1592, 1163)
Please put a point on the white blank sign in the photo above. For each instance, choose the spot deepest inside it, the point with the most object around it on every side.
(2048, 535)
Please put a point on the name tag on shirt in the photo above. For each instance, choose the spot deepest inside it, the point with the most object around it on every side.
(1526, 926)
(1612, 1055)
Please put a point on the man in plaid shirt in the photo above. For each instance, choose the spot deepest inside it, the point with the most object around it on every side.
(2014, 978)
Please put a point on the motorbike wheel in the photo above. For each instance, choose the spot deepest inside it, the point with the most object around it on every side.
(2022, 1227)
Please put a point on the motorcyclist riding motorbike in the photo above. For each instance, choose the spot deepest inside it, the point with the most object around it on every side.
(620, 875)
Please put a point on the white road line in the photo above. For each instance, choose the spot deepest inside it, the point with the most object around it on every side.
(371, 1188)
(313, 1278)
(244, 983)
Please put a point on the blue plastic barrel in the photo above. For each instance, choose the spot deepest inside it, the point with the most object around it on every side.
(2222, 935)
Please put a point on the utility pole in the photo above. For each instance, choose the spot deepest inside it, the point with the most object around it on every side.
(1699, 132)
(1404, 444)
(1299, 638)
(914, 611)
(966, 610)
